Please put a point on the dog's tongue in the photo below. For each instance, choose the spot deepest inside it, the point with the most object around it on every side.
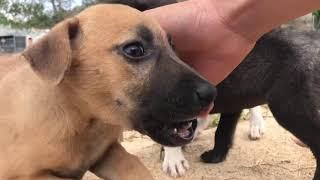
(184, 133)
(204, 113)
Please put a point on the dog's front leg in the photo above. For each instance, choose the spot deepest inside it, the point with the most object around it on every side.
(118, 164)
(257, 125)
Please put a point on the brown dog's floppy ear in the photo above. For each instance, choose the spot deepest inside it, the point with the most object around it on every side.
(52, 55)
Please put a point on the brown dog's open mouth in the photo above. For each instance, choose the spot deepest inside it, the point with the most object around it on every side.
(184, 130)
(177, 133)
(173, 132)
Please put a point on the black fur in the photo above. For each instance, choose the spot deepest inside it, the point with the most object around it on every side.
(223, 138)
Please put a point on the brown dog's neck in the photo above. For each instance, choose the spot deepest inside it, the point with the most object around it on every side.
(38, 103)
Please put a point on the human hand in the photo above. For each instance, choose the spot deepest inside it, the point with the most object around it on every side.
(202, 38)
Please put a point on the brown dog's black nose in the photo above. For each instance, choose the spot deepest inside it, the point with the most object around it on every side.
(206, 93)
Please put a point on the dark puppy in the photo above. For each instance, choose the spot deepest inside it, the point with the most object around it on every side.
(282, 71)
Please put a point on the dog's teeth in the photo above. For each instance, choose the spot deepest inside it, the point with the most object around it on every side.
(175, 130)
(189, 125)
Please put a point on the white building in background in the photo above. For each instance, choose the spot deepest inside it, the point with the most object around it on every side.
(15, 40)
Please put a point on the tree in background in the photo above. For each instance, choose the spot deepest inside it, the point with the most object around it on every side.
(86, 3)
(34, 13)
(46, 13)
(62, 9)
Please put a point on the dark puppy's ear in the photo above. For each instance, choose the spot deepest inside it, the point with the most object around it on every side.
(51, 56)
(143, 5)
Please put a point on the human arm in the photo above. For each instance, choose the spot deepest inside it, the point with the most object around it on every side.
(214, 36)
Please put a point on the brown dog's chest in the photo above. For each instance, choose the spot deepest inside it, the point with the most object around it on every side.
(91, 146)
(67, 157)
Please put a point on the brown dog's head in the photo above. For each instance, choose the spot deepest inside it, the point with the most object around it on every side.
(121, 65)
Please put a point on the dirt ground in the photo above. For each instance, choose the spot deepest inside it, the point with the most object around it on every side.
(274, 157)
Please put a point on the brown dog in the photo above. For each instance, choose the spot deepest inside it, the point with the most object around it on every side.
(64, 100)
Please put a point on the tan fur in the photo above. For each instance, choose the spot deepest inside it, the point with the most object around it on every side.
(58, 110)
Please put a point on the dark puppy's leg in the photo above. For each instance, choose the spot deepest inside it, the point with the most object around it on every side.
(295, 105)
(223, 138)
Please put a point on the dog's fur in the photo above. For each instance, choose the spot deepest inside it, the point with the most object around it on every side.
(65, 98)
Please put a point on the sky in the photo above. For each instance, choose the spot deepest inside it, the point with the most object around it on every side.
(77, 2)
(48, 6)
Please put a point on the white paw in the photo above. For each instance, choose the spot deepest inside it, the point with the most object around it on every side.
(257, 131)
(174, 163)
(257, 125)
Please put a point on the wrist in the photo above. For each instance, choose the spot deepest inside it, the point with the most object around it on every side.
(238, 16)
(253, 18)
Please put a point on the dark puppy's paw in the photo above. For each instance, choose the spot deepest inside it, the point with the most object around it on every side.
(213, 156)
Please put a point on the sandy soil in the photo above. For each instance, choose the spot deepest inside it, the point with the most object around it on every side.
(274, 157)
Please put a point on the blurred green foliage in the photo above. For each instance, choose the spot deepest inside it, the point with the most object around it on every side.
(316, 19)
(34, 13)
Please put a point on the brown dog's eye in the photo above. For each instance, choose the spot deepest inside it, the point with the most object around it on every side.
(134, 50)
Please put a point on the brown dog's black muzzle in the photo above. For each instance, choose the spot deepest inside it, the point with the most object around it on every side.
(174, 98)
